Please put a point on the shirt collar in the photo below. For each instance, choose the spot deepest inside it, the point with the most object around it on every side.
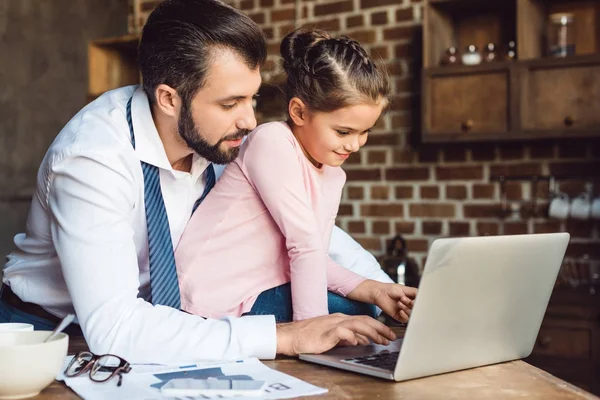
(148, 145)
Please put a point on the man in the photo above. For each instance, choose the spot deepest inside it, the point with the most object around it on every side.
(119, 183)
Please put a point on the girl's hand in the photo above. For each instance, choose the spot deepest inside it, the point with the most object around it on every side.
(394, 299)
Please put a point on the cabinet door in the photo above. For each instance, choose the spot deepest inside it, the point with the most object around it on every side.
(565, 99)
(470, 106)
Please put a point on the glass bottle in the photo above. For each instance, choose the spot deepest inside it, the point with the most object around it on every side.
(561, 35)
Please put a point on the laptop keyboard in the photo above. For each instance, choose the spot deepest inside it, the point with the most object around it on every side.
(384, 360)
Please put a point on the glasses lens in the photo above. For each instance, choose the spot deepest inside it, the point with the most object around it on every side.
(78, 363)
(104, 368)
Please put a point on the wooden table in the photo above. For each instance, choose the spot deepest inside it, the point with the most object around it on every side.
(510, 380)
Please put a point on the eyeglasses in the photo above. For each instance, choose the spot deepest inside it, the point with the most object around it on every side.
(102, 368)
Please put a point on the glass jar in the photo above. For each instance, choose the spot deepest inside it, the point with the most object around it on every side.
(489, 53)
(450, 57)
(471, 56)
(561, 35)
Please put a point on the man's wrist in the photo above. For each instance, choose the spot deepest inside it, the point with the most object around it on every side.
(285, 339)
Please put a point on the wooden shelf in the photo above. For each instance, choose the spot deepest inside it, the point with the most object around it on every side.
(528, 98)
(112, 63)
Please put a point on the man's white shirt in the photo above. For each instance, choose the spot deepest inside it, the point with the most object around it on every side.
(85, 247)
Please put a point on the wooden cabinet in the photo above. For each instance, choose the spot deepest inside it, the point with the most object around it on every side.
(568, 344)
(529, 96)
(563, 97)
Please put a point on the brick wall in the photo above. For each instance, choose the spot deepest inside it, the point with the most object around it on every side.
(426, 192)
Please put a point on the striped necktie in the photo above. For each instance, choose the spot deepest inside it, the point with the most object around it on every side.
(210, 183)
(164, 286)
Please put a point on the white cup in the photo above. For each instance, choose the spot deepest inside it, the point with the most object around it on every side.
(596, 208)
(581, 206)
(15, 327)
(559, 206)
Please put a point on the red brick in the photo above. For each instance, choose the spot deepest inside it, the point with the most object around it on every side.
(382, 210)
(455, 154)
(333, 8)
(407, 174)
(376, 3)
(258, 17)
(542, 150)
(331, 24)
(580, 229)
(512, 152)
(456, 192)
(404, 192)
(379, 18)
(432, 210)
(354, 21)
(285, 29)
(575, 169)
(487, 228)
(403, 50)
(379, 52)
(363, 174)
(269, 34)
(404, 156)
(483, 191)
(405, 85)
(246, 4)
(401, 32)
(376, 157)
(355, 192)
(417, 245)
(514, 190)
(356, 227)
(482, 210)
(483, 152)
(149, 5)
(516, 169)
(430, 192)
(405, 227)
(366, 36)
(381, 227)
(459, 173)
(572, 188)
(369, 243)
(383, 139)
(460, 229)
(380, 192)
(550, 226)
(515, 228)
(273, 48)
(401, 103)
(345, 210)
(402, 121)
(266, 3)
(542, 190)
(404, 14)
(431, 227)
(355, 158)
(283, 15)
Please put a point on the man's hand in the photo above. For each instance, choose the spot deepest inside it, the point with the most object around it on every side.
(394, 299)
(320, 334)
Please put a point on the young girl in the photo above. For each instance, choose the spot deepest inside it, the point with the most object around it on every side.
(265, 227)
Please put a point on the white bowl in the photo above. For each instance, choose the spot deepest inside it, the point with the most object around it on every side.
(27, 365)
(15, 326)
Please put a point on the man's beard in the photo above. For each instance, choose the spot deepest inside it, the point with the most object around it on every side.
(193, 138)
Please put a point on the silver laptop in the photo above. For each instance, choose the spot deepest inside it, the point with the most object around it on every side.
(481, 301)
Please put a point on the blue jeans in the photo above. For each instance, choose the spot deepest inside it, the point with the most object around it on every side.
(278, 302)
(9, 313)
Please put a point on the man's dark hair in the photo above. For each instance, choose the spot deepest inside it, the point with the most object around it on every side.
(179, 39)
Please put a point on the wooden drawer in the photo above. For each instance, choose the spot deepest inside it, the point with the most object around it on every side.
(561, 99)
(564, 342)
(469, 104)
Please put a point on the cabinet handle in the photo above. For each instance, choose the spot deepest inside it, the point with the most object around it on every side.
(544, 341)
(467, 125)
(569, 121)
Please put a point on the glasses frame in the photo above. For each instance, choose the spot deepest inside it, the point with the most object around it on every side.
(90, 365)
